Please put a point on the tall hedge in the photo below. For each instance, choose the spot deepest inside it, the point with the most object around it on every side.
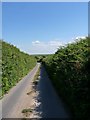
(15, 65)
(68, 69)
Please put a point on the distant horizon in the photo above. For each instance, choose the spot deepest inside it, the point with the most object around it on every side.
(40, 28)
(77, 38)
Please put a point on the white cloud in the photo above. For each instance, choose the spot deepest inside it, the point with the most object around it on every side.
(50, 43)
(55, 43)
(80, 37)
(40, 47)
(36, 42)
(46, 47)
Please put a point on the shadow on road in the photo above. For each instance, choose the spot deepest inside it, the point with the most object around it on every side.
(49, 103)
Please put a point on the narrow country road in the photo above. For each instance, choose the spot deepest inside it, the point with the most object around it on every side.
(15, 99)
(50, 105)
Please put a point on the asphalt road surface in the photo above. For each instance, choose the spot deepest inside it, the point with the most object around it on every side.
(15, 95)
(50, 104)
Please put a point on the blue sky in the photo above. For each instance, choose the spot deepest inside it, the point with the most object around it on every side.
(38, 28)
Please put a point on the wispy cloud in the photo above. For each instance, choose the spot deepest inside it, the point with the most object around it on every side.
(36, 42)
(73, 40)
(46, 47)
(80, 37)
(51, 43)
(55, 43)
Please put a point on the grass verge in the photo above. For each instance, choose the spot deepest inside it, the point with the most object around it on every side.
(36, 77)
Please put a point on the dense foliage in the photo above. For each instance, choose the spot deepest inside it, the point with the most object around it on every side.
(39, 58)
(15, 65)
(68, 69)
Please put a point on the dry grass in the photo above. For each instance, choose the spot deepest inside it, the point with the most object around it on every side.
(36, 77)
(27, 112)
